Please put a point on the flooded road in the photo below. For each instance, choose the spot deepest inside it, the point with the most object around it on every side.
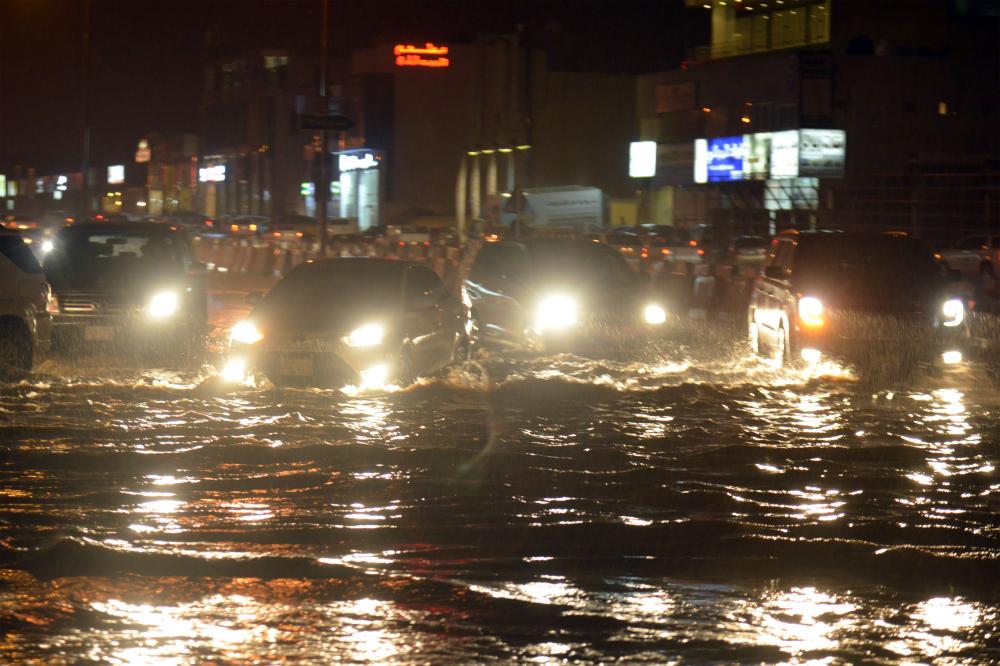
(680, 504)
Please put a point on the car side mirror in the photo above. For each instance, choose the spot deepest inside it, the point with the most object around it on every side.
(254, 298)
(774, 272)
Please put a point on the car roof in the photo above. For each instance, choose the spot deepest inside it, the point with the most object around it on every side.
(361, 263)
(123, 227)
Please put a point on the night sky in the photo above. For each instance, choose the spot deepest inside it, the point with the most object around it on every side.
(148, 55)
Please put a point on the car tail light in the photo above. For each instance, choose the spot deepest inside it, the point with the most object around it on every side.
(701, 252)
(644, 253)
(693, 243)
(52, 303)
(665, 252)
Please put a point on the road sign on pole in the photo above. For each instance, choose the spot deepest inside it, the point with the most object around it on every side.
(321, 121)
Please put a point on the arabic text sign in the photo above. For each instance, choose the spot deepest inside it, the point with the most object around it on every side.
(428, 55)
(724, 158)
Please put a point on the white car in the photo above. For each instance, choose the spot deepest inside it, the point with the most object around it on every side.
(973, 255)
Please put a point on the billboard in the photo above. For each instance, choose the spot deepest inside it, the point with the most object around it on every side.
(758, 156)
(821, 152)
(116, 174)
(642, 159)
(785, 154)
(723, 159)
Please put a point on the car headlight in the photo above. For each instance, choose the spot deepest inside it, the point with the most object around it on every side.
(163, 304)
(654, 314)
(811, 311)
(47, 246)
(246, 333)
(555, 313)
(953, 311)
(368, 335)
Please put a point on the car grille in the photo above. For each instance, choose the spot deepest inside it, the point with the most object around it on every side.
(96, 304)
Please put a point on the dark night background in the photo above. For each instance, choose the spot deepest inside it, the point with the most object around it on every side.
(148, 55)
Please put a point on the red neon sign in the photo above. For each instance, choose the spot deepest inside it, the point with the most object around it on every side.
(428, 55)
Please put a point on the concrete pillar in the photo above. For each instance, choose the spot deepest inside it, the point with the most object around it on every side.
(491, 174)
(475, 189)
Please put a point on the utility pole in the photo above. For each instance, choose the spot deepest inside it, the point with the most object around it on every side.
(323, 186)
(85, 166)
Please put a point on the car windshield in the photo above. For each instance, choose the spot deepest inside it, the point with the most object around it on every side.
(87, 257)
(317, 297)
(866, 266)
(580, 262)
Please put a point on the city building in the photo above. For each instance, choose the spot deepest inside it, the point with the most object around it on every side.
(829, 112)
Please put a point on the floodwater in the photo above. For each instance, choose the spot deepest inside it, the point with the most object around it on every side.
(686, 504)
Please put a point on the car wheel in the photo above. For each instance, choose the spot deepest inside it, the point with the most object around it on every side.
(15, 347)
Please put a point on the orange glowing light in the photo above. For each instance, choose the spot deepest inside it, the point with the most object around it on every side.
(428, 55)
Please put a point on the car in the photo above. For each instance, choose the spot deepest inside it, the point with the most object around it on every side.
(848, 295)
(26, 304)
(361, 321)
(128, 284)
(547, 294)
(246, 225)
(973, 256)
(745, 251)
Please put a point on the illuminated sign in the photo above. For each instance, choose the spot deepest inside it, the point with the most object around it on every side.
(62, 183)
(212, 174)
(352, 162)
(3, 185)
(785, 154)
(821, 152)
(642, 159)
(116, 174)
(307, 188)
(719, 160)
(39, 186)
(776, 155)
(142, 153)
(428, 55)
(12, 188)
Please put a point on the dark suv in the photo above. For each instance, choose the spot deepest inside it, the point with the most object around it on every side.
(128, 283)
(854, 294)
(25, 304)
(546, 293)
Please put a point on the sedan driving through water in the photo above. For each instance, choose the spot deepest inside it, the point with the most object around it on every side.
(547, 294)
(852, 295)
(359, 322)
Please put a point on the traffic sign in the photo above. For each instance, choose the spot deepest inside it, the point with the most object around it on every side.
(319, 121)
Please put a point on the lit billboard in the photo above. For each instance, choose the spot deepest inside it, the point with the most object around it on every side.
(116, 174)
(774, 155)
(642, 159)
(719, 160)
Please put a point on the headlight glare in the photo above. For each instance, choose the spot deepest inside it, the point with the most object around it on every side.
(555, 313)
(654, 314)
(163, 304)
(368, 335)
(953, 311)
(245, 333)
(811, 311)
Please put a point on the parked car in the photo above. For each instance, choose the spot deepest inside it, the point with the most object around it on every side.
(26, 304)
(973, 256)
(555, 293)
(352, 321)
(849, 294)
(127, 284)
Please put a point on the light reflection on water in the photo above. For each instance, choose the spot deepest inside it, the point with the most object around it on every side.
(563, 509)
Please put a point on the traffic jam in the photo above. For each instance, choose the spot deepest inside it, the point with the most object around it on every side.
(798, 299)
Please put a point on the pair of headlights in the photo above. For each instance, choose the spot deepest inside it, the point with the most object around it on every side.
(369, 335)
(811, 312)
(559, 312)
